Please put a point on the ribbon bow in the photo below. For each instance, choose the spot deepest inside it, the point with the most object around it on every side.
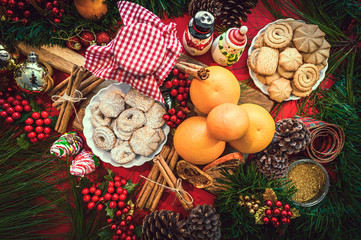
(141, 55)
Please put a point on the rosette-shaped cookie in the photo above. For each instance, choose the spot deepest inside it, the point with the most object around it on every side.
(280, 89)
(104, 138)
(278, 35)
(290, 59)
(308, 38)
(318, 56)
(306, 77)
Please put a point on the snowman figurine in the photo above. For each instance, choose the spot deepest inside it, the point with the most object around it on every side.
(229, 46)
(198, 37)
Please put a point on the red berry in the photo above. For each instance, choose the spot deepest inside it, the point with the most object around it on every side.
(3, 114)
(175, 82)
(116, 178)
(122, 197)
(100, 207)
(112, 204)
(107, 196)
(113, 227)
(56, 3)
(288, 221)
(110, 184)
(101, 199)
(47, 135)
(10, 99)
(111, 189)
(173, 118)
(131, 227)
(181, 90)
(6, 105)
(41, 136)
(169, 123)
(168, 84)
(134, 237)
(33, 140)
(26, 14)
(35, 115)
(44, 114)
(118, 232)
(175, 71)
(55, 11)
(39, 129)
(283, 213)
(49, 5)
(24, 102)
(28, 128)
(171, 111)
(18, 108)
(27, 108)
(119, 190)
(109, 220)
(185, 95)
(115, 197)
(278, 204)
(128, 218)
(173, 125)
(187, 89)
(276, 212)
(173, 92)
(47, 121)
(39, 122)
(178, 121)
(181, 76)
(123, 223)
(289, 214)
(268, 212)
(47, 130)
(29, 121)
(179, 114)
(31, 135)
(123, 236)
(269, 203)
(273, 220)
(118, 213)
(121, 204)
(180, 97)
(86, 198)
(10, 110)
(183, 103)
(95, 198)
(184, 116)
(166, 117)
(2, 101)
(128, 238)
(125, 191)
(117, 184)
(286, 207)
(123, 182)
(265, 220)
(188, 82)
(91, 205)
(182, 83)
(276, 224)
(98, 192)
(125, 210)
(92, 189)
(15, 102)
(85, 191)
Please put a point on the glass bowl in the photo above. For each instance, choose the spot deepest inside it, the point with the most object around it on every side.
(324, 188)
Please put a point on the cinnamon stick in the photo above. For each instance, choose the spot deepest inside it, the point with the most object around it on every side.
(159, 191)
(64, 82)
(193, 70)
(153, 175)
(69, 105)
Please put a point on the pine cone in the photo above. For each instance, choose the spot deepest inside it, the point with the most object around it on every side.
(204, 223)
(212, 6)
(291, 136)
(233, 11)
(272, 162)
(164, 225)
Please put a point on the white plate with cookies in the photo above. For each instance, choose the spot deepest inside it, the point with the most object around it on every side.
(293, 59)
(124, 127)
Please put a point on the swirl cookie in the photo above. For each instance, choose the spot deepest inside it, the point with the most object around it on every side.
(306, 77)
(318, 56)
(112, 103)
(290, 59)
(308, 38)
(299, 93)
(278, 35)
(122, 153)
(154, 117)
(130, 119)
(138, 100)
(267, 61)
(104, 138)
(120, 134)
(280, 89)
(252, 59)
(145, 141)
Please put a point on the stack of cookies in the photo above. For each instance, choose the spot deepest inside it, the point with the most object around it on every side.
(288, 57)
(127, 125)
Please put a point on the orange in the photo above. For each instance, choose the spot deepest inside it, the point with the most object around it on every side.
(220, 87)
(260, 132)
(194, 144)
(227, 122)
(89, 9)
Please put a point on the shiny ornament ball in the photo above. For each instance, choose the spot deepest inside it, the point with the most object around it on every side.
(102, 38)
(87, 38)
(73, 43)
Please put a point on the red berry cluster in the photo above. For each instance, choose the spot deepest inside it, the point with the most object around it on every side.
(174, 117)
(12, 106)
(116, 196)
(37, 131)
(277, 213)
(179, 86)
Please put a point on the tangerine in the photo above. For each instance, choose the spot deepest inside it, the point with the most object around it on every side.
(227, 122)
(194, 144)
(260, 132)
(220, 87)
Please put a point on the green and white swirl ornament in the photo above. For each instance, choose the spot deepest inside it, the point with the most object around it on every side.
(69, 144)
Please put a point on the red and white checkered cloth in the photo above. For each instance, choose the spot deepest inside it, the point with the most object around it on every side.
(142, 54)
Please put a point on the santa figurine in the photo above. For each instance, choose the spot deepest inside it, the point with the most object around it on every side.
(228, 47)
(198, 37)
